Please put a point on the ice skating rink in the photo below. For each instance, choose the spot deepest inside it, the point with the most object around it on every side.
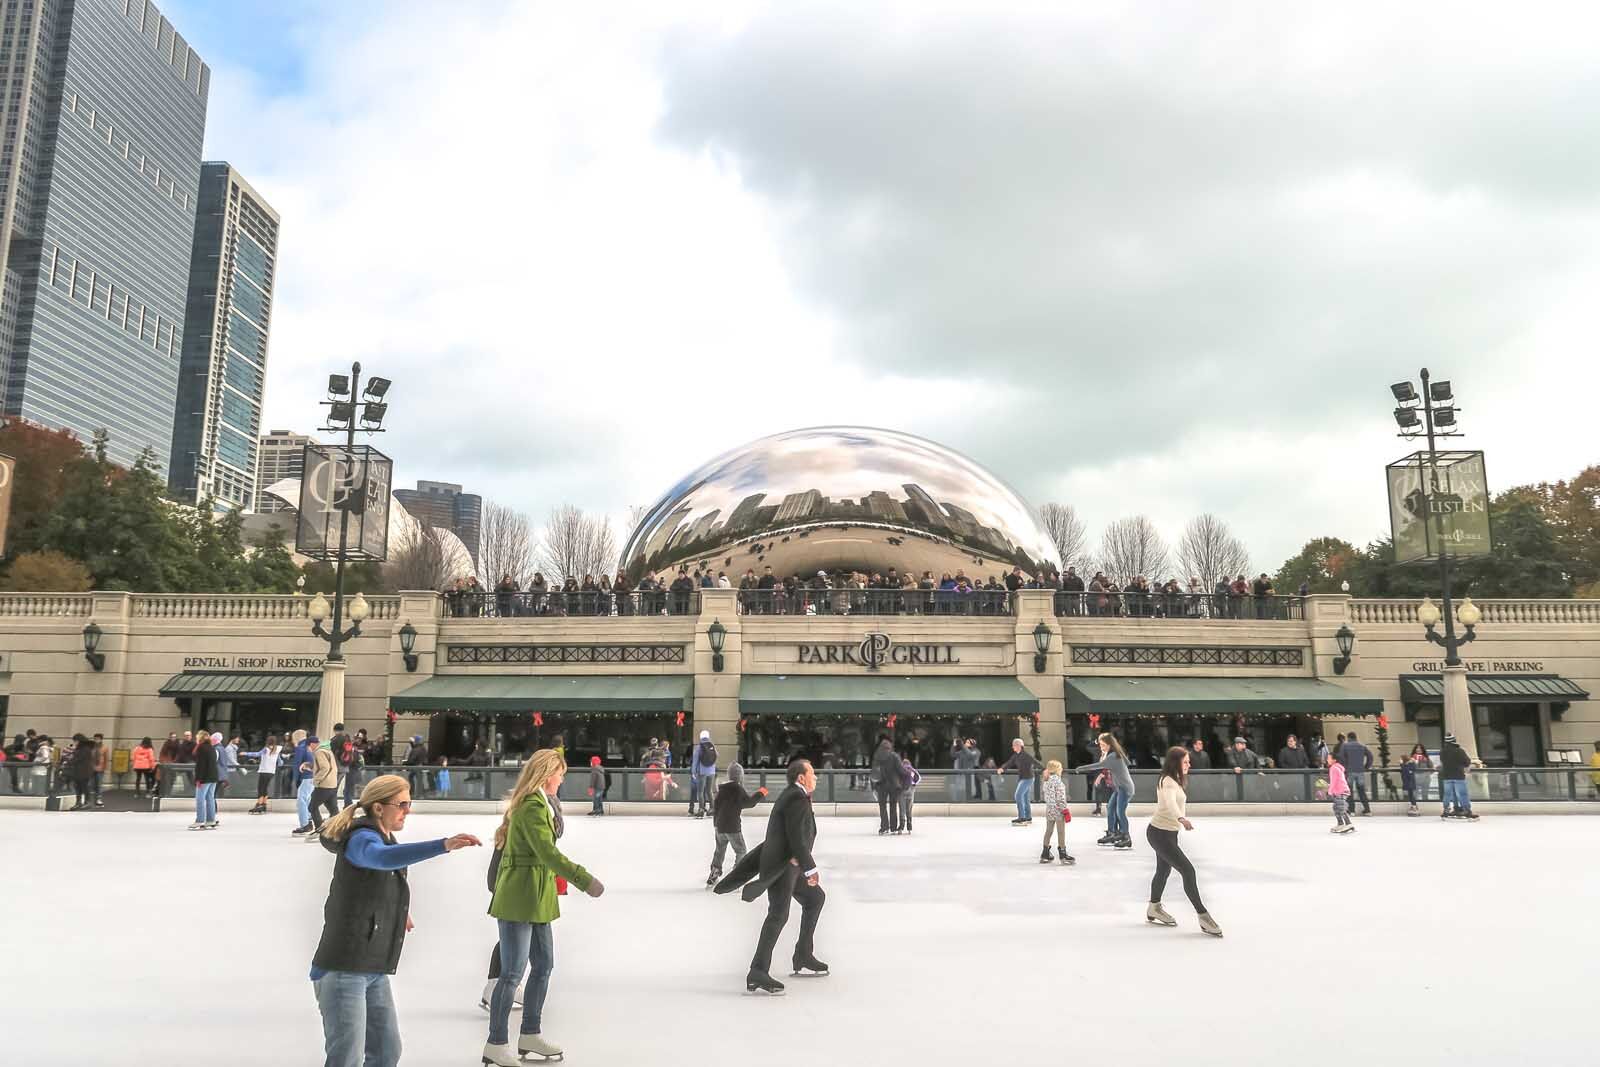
(132, 941)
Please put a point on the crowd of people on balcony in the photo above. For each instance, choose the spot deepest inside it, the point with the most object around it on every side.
(654, 594)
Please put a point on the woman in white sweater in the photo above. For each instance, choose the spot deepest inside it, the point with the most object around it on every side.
(1162, 835)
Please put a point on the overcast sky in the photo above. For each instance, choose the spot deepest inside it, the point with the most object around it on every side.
(1159, 258)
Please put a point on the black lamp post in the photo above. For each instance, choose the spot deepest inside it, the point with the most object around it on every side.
(1346, 640)
(717, 634)
(1041, 645)
(91, 642)
(1466, 612)
(408, 644)
(345, 396)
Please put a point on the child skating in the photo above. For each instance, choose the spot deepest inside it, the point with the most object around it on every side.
(727, 819)
(1339, 790)
(1056, 815)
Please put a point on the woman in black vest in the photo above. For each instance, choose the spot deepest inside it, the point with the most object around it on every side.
(365, 922)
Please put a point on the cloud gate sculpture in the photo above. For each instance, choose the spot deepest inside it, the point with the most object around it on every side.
(840, 498)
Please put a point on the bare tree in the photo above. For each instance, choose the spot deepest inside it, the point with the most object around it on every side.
(1067, 533)
(419, 559)
(636, 514)
(506, 544)
(1132, 547)
(575, 544)
(1208, 551)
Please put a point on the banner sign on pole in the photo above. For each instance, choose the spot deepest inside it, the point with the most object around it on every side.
(1439, 505)
(344, 480)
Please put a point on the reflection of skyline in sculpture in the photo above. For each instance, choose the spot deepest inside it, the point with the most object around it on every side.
(832, 498)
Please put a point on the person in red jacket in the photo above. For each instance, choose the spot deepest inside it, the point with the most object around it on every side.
(144, 768)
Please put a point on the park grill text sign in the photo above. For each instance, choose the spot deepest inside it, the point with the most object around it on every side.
(339, 481)
(1438, 506)
(876, 649)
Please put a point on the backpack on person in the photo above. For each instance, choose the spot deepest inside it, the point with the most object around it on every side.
(708, 754)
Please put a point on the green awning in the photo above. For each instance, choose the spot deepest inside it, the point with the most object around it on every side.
(1215, 696)
(242, 684)
(882, 694)
(531, 692)
(1494, 688)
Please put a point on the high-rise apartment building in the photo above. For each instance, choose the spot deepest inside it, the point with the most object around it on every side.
(223, 368)
(444, 505)
(282, 454)
(104, 113)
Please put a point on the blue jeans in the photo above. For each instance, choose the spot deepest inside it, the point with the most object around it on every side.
(1455, 794)
(302, 801)
(359, 1025)
(599, 801)
(205, 802)
(1024, 798)
(521, 944)
(1117, 811)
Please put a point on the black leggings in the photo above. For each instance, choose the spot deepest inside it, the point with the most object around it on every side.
(1169, 857)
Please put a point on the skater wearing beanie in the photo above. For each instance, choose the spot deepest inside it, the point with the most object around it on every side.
(1056, 814)
(597, 786)
(1453, 764)
(727, 819)
(1414, 777)
(526, 906)
(300, 775)
(365, 922)
(324, 783)
(1339, 791)
(1162, 834)
(1026, 767)
(702, 776)
(1115, 760)
(908, 795)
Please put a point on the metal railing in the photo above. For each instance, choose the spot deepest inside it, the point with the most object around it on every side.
(671, 785)
(576, 603)
(847, 601)
(1152, 604)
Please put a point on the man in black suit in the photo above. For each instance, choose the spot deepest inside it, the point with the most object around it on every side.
(782, 868)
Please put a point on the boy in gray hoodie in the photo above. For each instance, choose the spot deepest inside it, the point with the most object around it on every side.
(727, 819)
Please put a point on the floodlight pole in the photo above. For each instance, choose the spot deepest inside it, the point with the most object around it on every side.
(330, 701)
(1457, 701)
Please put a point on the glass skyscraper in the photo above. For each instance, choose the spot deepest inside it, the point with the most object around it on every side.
(104, 112)
(217, 421)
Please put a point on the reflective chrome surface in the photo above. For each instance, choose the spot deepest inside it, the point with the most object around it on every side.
(840, 498)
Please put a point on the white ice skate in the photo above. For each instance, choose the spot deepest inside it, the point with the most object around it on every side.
(1155, 913)
(501, 1056)
(535, 1049)
(488, 994)
(1209, 925)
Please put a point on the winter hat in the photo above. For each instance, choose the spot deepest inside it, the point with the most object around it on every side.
(1239, 741)
(312, 740)
(216, 739)
(1450, 738)
(735, 772)
(594, 761)
(705, 735)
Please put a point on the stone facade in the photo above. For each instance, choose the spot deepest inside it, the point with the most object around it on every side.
(148, 639)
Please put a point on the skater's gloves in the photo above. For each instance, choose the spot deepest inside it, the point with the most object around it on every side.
(595, 888)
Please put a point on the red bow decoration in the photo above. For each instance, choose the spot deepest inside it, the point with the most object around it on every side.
(1094, 721)
(741, 724)
(538, 718)
(1383, 721)
(891, 721)
(680, 718)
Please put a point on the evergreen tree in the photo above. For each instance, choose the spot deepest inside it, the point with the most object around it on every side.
(119, 525)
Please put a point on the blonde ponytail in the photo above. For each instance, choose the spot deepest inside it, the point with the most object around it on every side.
(542, 766)
(381, 790)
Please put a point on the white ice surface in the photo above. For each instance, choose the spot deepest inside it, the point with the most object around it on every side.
(132, 941)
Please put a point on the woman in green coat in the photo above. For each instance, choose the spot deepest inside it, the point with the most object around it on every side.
(525, 905)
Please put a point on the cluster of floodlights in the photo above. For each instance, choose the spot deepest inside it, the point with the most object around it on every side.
(342, 405)
(1438, 401)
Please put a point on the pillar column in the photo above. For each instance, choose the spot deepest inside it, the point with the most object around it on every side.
(330, 703)
(1458, 710)
(716, 693)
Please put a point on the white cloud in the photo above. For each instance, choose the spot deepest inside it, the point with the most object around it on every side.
(1137, 262)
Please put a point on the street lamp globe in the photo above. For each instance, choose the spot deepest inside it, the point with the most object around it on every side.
(318, 609)
(1428, 613)
(1468, 614)
(359, 608)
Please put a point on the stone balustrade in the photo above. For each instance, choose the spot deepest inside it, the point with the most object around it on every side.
(1501, 612)
(45, 605)
(237, 606)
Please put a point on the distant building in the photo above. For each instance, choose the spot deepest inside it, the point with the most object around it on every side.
(444, 505)
(222, 373)
(282, 454)
(104, 108)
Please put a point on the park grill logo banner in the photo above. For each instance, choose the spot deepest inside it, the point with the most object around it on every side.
(1439, 505)
(340, 481)
(8, 471)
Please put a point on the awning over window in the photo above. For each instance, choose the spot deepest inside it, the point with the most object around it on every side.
(1494, 688)
(1215, 696)
(244, 684)
(529, 692)
(882, 694)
